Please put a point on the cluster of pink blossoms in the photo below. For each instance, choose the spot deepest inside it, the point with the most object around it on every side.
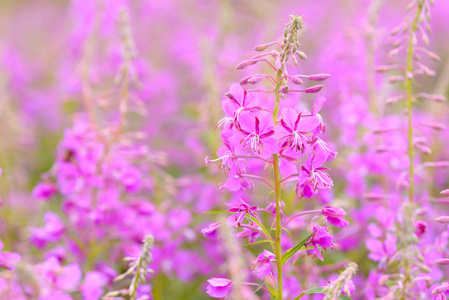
(283, 135)
(250, 138)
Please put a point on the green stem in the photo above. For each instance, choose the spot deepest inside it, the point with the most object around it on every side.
(408, 85)
(409, 90)
(277, 180)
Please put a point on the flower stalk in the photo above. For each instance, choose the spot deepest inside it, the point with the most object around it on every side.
(409, 90)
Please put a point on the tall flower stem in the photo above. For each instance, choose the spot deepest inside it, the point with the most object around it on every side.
(409, 210)
(278, 186)
(408, 86)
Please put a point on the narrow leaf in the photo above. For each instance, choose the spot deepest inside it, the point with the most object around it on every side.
(216, 212)
(290, 252)
(258, 242)
(260, 225)
(319, 290)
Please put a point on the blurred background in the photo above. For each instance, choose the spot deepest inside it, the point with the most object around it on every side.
(65, 64)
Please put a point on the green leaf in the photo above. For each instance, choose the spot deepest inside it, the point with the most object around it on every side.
(260, 225)
(289, 233)
(259, 287)
(319, 290)
(258, 242)
(290, 252)
(216, 212)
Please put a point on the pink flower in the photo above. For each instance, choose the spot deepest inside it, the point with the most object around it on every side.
(420, 228)
(262, 265)
(211, 231)
(241, 209)
(8, 260)
(380, 250)
(218, 287)
(237, 182)
(256, 134)
(312, 176)
(295, 129)
(44, 190)
(230, 161)
(250, 234)
(92, 286)
(238, 101)
(335, 216)
(56, 277)
(51, 232)
(320, 239)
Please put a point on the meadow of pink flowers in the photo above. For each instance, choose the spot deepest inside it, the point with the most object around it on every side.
(224, 149)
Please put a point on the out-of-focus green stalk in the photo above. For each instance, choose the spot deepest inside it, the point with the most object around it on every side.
(277, 182)
(408, 86)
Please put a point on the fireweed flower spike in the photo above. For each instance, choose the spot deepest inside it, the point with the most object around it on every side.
(260, 134)
(343, 284)
(138, 267)
(409, 256)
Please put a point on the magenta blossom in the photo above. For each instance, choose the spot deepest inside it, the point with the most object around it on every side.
(335, 216)
(93, 284)
(241, 209)
(312, 176)
(256, 135)
(294, 129)
(45, 190)
(51, 232)
(262, 265)
(8, 260)
(249, 233)
(420, 228)
(321, 239)
(219, 287)
(238, 182)
(211, 231)
(230, 161)
(238, 101)
(380, 249)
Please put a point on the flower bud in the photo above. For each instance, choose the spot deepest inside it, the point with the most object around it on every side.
(261, 47)
(314, 89)
(443, 220)
(373, 196)
(441, 289)
(301, 55)
(393, 265)
(395, 31)
(393, 52)
(381, 69)
(425, 38)
(438, 98)
(319, 77)
(423, 268)
(245, 80)
(433, 125)
(244, 64)
(433, 56)
(284, 90)
(394, 99)
(255, 79)
(394, 79)
(296, 80)
(442, 262)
